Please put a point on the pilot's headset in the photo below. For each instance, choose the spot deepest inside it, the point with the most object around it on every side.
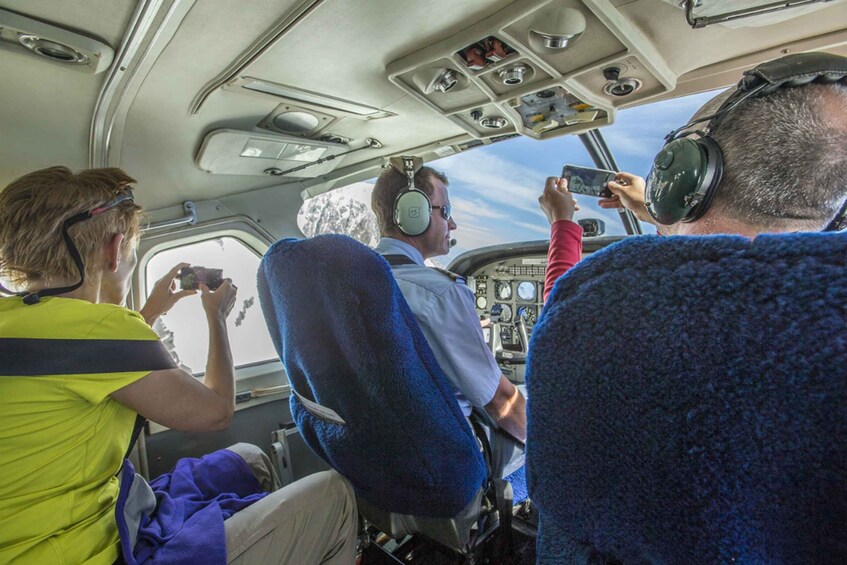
(412, 207)
(687, 171)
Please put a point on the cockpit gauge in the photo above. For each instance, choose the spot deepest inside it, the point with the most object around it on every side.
(481, 302)
(528, 312)
(502, 290)
(526, 290)
(506, 313)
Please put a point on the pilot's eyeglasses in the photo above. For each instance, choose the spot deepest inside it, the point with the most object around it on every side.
(445, 211)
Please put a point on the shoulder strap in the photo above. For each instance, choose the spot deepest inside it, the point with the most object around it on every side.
(395, 260)
(27, 357)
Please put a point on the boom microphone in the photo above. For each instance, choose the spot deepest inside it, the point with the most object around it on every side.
(453, 242)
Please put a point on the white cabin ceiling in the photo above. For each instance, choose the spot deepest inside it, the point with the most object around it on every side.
(341, 49)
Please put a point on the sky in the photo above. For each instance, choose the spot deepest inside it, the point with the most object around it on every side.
(494, 189)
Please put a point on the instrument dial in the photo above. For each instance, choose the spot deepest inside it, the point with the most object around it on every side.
(502, 290)
(526, 290)
(506, 313)
(529, 313)
(481, 302)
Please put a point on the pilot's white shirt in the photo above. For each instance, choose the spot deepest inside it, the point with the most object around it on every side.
(446, 315)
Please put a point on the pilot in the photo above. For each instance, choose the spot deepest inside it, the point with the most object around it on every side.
(415, 222)
(77, 367)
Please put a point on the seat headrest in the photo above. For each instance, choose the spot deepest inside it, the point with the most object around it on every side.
(349, 342)
(687, 402)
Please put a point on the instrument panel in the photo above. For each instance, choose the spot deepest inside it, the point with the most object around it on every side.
(515, 288)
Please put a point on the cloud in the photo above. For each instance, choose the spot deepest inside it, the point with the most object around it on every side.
(466, 209)
(477, 175)
(543, 229)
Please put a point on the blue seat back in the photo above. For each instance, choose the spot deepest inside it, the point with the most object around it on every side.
(688, 403)
(349, 342)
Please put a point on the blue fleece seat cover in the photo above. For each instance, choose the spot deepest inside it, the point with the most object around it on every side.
(688, 403)
(350, 343)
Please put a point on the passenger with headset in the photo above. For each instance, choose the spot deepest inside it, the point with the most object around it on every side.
(413, 211)
(688, 392)
(768, 156)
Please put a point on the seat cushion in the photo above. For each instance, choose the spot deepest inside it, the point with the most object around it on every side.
(688, 403)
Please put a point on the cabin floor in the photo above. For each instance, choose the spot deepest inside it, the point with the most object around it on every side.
(518, 549)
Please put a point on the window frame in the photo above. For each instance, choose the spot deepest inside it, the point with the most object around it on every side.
(258, 374)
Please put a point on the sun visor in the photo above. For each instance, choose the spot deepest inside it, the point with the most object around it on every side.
(762, 12)
(235, 152)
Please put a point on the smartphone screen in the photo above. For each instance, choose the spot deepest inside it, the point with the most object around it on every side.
(585, 180)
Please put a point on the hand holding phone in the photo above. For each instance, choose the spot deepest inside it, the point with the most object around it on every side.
(556, 201)
(585, 180)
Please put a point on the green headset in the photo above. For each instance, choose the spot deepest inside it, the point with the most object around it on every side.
(412, 207)
(687, 171)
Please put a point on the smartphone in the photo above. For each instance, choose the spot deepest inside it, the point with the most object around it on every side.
(190, 278)
(585, 180)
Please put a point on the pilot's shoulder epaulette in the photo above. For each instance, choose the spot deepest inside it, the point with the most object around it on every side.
(453, 276)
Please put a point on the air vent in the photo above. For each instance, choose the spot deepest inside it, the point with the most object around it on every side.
(52, 50)
(439, 79)
(493, 122)
(515, 74)
(72, 50)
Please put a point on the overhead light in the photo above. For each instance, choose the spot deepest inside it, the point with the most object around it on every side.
(296, 122)
(308, 97)
(235, 152)
(493, 122)
(558, 27)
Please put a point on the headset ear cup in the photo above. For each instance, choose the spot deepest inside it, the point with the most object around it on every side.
(412, 212)
(710, 179)
(683, 179)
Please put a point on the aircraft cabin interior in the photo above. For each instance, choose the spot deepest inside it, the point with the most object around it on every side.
(248, 122)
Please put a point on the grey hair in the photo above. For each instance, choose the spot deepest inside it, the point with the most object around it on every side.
(785, 158)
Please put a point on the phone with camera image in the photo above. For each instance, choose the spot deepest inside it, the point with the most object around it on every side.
(585, 180)
(190, 278)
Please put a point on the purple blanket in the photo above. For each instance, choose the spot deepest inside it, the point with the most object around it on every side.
(192, 502)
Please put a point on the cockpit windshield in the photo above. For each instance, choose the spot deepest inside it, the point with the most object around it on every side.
(494, 189)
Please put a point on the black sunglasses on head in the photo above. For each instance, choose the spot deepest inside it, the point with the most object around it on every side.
(34, 297)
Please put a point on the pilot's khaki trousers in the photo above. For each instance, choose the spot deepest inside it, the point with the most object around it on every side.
(310, 521)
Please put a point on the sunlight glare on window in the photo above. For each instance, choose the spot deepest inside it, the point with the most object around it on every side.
(184, 329)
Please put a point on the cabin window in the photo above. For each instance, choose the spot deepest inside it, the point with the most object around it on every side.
(345, 210)
(184, 330)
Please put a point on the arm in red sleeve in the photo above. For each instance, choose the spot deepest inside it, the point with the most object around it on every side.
(564, 252)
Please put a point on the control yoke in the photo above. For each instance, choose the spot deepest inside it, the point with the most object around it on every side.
(506, 356)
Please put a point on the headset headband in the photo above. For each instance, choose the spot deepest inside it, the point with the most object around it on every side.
(788, 71)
